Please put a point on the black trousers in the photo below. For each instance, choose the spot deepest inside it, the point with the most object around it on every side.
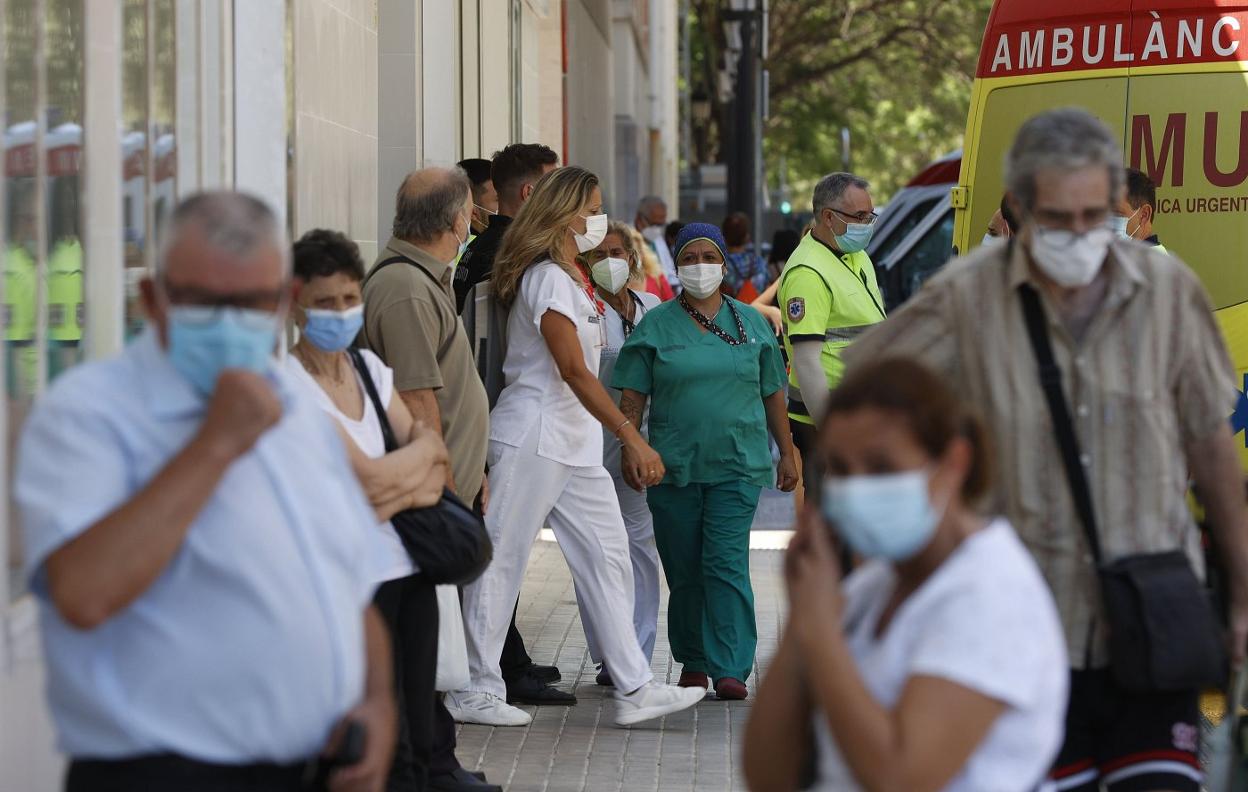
(170, 772)
(515, 658)
(806, 441)
(410, 609)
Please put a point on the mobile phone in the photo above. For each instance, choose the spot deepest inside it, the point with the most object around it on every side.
(351, 747)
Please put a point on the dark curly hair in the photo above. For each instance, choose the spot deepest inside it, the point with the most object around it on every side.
(321, 253)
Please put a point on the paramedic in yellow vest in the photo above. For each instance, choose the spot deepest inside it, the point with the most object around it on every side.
(65, 305)
(19, 321)
(1133, 216)
(830, 297)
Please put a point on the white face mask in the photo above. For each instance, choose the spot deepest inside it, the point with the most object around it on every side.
(595, 232)
(652, 233)
(611, 274)
(990, 239)
(700, 280)
(1071, 260)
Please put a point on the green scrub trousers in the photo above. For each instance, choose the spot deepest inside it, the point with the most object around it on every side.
(708, 423)
(703, 535)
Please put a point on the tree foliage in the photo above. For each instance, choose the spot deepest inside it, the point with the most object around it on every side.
(897, 73)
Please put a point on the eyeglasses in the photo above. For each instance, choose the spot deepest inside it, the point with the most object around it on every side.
(192, 297)
(863, 218)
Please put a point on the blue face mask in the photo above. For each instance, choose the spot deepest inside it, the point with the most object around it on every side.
(333, 331)
(889, 517)
(462, 245)
(204, 341)
(856, 237)
(1119, 224)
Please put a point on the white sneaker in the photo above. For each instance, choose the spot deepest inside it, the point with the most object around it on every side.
(468, 706)
(653, 700)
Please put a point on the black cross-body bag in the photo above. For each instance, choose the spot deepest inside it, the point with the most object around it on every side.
(448, 541)
(1163, 635)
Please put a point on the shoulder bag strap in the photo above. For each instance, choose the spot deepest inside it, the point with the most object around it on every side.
(394, 259)
(387, 432)
(1068, 443)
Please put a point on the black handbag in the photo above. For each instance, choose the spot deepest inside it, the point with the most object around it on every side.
(448, 541)
(1163, 635)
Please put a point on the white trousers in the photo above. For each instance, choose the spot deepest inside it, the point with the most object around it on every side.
(645, 559)
(528, 491)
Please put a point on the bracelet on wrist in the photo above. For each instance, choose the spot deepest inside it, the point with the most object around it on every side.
(616, 432)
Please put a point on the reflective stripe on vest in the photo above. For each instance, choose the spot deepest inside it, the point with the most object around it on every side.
(846, 334)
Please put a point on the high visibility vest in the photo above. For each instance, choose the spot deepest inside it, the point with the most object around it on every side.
(19, 295)
(65, 305)
(829, 296)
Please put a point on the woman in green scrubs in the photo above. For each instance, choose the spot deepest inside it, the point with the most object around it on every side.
(711, 370)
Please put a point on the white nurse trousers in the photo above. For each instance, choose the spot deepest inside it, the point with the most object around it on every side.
(528, 491)
(644, 556)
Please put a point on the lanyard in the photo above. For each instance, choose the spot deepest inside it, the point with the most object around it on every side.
(588, 285)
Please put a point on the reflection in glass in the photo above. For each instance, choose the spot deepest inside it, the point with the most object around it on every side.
(20, 242)
(134, 155)
(66, 308)
(164, 117)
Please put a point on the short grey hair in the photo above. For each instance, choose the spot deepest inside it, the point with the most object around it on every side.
(1067, 139)
(428, 202)
(650, 202)
(832, 188)
(231, 222)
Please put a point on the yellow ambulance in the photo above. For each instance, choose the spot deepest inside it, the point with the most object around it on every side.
(1171, 78)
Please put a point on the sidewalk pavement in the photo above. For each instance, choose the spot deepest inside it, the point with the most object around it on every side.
(570, 749)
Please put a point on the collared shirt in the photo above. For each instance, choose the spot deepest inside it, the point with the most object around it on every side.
(249, 646)
(1150, 375)
(477, 263)
(411, 323)
(536, 395)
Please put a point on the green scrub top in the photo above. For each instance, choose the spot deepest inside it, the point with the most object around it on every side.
(707, 418)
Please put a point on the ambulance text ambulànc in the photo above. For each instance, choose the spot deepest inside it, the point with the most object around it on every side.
(1171, 78)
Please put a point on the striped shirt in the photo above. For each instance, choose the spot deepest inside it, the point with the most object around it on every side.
(1149, 375)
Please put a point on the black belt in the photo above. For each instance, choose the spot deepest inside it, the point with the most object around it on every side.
(171, 772)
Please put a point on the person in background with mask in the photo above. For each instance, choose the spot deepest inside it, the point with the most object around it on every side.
(546, 452)
(1134, 213)
(612, 266)
(484, 197)
(710, 368)
(939, 662)
(199, 548)
(651, 221)
(329, 313)
(829, 297)
(513, 172)
(1149, 386)
(1002, 224)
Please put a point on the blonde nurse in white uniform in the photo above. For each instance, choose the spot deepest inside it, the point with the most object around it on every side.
(613, 265)
(545, 454)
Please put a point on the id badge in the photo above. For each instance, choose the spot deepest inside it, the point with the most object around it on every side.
(597, 319)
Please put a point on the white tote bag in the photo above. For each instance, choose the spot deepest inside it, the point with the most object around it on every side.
(452, 647)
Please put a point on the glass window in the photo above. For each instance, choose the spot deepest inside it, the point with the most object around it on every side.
(926, 257)
(134, 164)
(903, 228)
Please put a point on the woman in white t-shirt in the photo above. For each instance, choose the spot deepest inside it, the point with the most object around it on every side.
(329, 313)
(545, 452)
(939, 663)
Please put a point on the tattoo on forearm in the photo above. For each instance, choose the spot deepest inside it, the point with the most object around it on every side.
(633, 405)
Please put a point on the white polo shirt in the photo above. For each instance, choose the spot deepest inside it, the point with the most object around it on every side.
(535, 393)
(249, 646)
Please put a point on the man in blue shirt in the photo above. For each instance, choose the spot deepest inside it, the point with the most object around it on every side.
(199, 546)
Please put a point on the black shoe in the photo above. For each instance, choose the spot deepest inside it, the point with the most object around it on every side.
(548, 674)
(528, 689)
(462, 781)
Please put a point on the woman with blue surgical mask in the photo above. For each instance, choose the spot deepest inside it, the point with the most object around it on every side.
(937, 664)
(329, 312)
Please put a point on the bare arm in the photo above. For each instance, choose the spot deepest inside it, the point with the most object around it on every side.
(778, 733)
(109, 565)
(565, 347)
(376, 712)
(633, 406)
(778, 423)
(1215, 469)
(765, 304)
(422, 404)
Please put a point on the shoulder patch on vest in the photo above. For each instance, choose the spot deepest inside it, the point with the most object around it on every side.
(797, 309)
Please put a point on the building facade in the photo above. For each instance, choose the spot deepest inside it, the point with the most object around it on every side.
(115, 109)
